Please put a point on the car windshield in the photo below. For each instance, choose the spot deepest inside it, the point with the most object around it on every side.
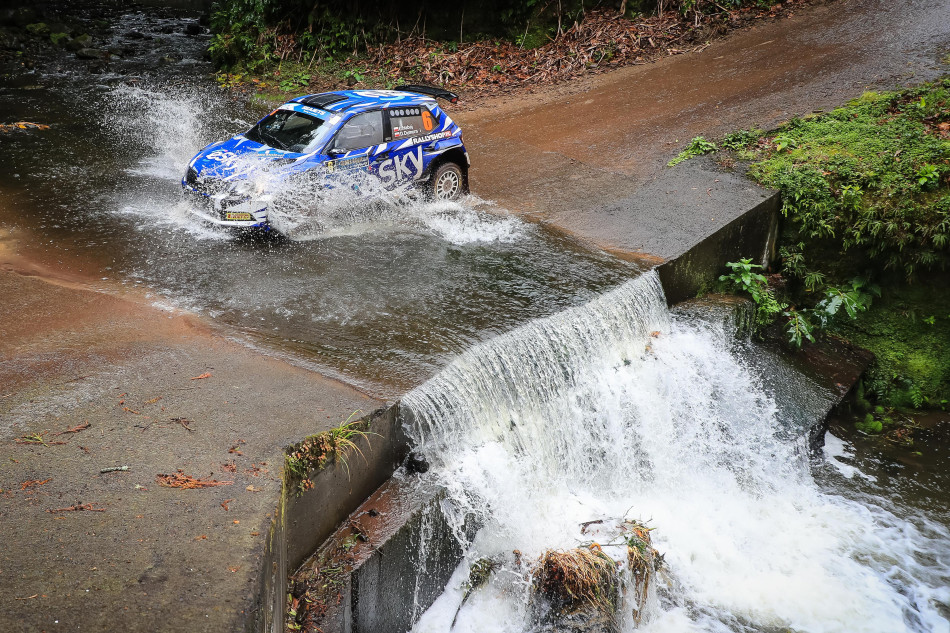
(290, 131)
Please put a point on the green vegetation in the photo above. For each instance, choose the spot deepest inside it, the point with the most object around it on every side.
(316, 451)
(909, 333)
(265, 38)
(866, 191)
(697, 147)
(801, 324)
(871, 179)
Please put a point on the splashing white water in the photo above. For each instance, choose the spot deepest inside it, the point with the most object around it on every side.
(168, 126)
(171, 125)
(617, 409)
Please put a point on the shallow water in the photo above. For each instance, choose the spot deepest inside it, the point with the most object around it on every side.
(379, 289)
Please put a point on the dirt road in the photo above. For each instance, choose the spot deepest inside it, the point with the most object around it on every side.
(567, 156)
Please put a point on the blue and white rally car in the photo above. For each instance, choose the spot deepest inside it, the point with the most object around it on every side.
(400, 138)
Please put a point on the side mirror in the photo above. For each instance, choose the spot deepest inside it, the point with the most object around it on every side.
(336, 151)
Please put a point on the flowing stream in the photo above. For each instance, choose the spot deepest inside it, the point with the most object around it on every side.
(622, 409)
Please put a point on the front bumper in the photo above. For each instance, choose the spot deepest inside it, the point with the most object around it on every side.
(224, 209)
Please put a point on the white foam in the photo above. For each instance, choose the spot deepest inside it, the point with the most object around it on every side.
(587, 415)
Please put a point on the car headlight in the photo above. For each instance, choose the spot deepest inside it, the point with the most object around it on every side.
(246, 188)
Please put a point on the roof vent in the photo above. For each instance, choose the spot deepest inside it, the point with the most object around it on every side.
(323, 100)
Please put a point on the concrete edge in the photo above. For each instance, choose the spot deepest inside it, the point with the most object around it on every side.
(753, 234)
(302, 523)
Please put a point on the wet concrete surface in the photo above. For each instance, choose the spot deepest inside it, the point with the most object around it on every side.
(566, 156)
(153, 558)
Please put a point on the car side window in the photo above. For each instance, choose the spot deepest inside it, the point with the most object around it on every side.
(361, 131)
(410, 122)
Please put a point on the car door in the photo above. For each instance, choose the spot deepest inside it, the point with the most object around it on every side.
(406, 157)
(350, 151)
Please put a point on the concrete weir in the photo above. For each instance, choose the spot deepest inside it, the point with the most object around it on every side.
(374, 532)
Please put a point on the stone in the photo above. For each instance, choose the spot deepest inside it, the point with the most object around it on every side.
(192, 28)
(38, 29)
(91, 53)
(59, 39)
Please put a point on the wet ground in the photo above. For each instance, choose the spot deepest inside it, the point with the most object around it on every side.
(568, 155)
(379, 292)
(381, 295)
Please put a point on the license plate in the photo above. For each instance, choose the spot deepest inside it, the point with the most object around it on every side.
(237, 215)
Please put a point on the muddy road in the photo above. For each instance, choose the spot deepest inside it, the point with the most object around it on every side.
(567, 155)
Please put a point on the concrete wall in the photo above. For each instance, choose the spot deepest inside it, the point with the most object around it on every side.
(753, 234)
(405, 575)
(337, 491)
(302, 523)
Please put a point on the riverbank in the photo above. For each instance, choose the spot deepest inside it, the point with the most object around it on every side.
(590, 43)
(866, 191)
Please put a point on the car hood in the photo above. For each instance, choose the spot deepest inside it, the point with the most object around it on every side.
(237, 157)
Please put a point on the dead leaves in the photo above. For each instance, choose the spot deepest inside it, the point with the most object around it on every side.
(75, 429)
(184, 422)
(602, 40)
(187, 482)
(22, 125)
(30, 483)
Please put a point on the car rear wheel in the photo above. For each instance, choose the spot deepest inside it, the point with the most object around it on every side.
(447, 182)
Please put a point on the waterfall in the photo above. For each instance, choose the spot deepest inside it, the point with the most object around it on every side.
(619, 409)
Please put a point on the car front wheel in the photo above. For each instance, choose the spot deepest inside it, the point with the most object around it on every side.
(446, 182)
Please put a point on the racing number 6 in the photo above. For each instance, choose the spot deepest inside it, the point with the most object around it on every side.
(427, 121)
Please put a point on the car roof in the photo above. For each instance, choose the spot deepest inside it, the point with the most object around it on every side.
(347, 101)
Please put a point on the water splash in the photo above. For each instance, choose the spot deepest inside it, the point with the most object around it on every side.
(159, 129)
(619, 408)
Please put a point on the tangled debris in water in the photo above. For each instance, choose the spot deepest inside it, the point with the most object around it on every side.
(22, 125)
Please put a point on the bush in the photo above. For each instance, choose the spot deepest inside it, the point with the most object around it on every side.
(873, 177)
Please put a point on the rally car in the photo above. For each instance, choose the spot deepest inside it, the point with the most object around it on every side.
(397, 138)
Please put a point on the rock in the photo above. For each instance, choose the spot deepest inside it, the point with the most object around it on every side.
(61, 27)
(170, 59)
(192, 28)
(116, 51)
(59, 39)
(37, 29)
(23, 16)
(9, 40)
(416, 463)
(134, 35)
(92, 53)
(167, 29)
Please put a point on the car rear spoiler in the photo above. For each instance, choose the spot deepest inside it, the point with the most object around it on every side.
(432, 91)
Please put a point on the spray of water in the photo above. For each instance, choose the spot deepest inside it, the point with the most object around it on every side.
(160, 129)
(618, 409)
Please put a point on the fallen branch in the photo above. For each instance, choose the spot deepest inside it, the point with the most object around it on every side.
(187, 482)
(79, 507)
(75, 429)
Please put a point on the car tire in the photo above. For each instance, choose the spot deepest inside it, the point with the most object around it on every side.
(447, 182)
